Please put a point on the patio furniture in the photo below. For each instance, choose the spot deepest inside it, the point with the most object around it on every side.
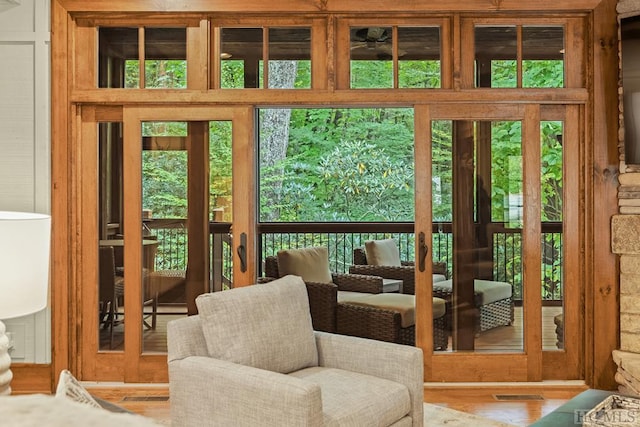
(331, 312)
(251, 358)
(159, 283)
(558, 320)
(402, 270)
(323, 295)
(493, 302)
(111, 290)
(388, 317)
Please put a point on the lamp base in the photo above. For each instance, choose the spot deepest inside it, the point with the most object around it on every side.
(5, 362)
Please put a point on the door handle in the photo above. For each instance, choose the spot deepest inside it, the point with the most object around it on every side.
(423, 250)
(242, 252)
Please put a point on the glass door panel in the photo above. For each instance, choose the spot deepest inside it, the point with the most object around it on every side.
(160, 181)
(186, 168)
(551, 191)
(477, 200)
(505, 224)
(111, 239)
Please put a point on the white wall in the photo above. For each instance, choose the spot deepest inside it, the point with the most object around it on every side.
(25, 172)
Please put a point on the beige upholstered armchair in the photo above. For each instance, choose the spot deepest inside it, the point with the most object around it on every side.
(251, 358)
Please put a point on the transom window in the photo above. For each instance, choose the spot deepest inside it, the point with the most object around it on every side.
(414, 55)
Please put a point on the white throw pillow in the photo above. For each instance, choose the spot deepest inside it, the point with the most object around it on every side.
(266, 326)
(382, 252)
(69, 388)
(312, 264)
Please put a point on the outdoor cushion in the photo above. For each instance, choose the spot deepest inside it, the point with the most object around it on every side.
(312, 264)
(402, 303)
(439, 307)
(275, 332)
(487, 290)
(439, 278)
(348, 296)
(354, 399)
(405, 304)
(382, 252)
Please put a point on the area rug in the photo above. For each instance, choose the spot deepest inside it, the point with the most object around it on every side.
(435, 415)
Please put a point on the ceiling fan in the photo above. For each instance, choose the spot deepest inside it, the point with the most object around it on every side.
(376, 39)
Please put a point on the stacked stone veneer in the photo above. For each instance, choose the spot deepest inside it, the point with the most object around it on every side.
(625, 242)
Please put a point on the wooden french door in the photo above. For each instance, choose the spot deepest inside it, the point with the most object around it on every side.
(500, 184)
(127, 264)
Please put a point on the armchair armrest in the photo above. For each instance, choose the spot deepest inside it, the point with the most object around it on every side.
(358, 283)
(406, 273)
(399, 363)
(210, 392)
(323, 300)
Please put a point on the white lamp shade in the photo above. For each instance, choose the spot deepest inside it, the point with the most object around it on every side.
(24, 263)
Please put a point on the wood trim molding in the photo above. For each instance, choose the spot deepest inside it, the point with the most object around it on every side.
(31, 378)
(323, 6)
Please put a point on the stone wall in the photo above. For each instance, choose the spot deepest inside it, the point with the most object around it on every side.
(625, 242)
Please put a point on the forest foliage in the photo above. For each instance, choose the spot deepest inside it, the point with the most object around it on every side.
(356, 164)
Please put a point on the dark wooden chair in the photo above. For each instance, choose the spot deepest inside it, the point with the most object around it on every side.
(111, 290)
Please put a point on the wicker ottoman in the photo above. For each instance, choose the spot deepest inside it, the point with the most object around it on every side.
(493, 300)
(388, 317)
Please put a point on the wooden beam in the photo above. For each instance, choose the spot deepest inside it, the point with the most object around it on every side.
(60, 191)
(324, 6)
(602, 284)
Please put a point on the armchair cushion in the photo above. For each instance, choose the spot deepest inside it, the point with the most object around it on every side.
(273, 333)
(312, 264)
(352, 398)
(382, 252)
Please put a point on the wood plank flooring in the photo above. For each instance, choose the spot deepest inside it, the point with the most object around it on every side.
(504, 338)
(519, 408)
(152, 401)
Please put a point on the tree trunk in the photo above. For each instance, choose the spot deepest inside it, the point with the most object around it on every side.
(274, 137)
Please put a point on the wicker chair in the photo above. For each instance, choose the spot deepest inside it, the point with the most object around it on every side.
(489, 314)
(357, 320)
(385, 325)
(323, 297)
(405, 272)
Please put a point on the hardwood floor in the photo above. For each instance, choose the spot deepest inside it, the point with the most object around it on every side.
(504, 338)
(518, 404)
(522, 404)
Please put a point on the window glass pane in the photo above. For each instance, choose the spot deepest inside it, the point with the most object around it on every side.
(165, 51)
(371, 57)
(290, 58)
(481, 255)
(118, 58)
(111, 238)
(442, 172)
(496, 56)
(506, 176)
(551, 162)
(542, 56)
(419, 57)
(552, 273)
(315, 165)
(241, 58)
